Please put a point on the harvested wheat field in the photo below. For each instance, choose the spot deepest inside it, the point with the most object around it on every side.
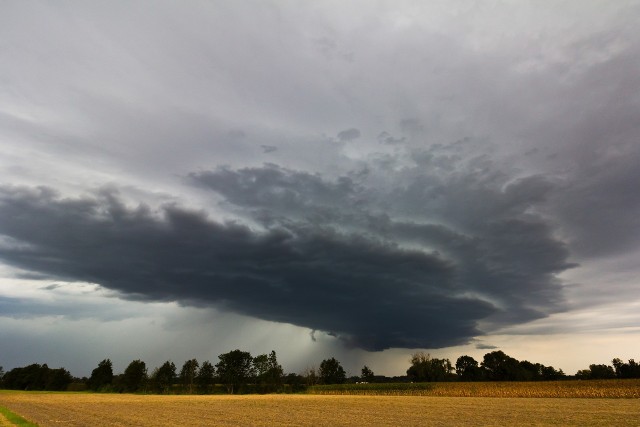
(67, 409)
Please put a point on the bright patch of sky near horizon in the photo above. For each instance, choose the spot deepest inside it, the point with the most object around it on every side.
(179, 180)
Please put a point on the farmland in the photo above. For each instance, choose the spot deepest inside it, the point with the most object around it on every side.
(542, 389)
(81, 409)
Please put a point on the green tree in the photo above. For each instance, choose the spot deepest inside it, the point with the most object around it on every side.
(617, 363)
(530, 371)
(310, 376)
(205, 377)
(261, 366)
(235, 369)
(467, 369)
(538, 372)
(601, 372)
(275, 373)
(425, 368)
(135, 376)
(58, 379)
(268, 371)
(596, 372)
(188, 374)
(549, 373)
(102, 376)
(32, 377)
(500, 367)
(164, 376)
(331, 372)
(37, 377)
(366, 374)
(295, 382)
(583, 374)
(626, 370)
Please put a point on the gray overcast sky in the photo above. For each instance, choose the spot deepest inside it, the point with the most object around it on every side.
(339, 178)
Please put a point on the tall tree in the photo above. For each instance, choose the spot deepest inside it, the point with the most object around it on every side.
(164, 376)
(626, 370)
(467, 369)
(601, 372)
(549, 373)
(58, 379)
(295, 382)
(275, 373)
(205, 377)
(188, 374)
(310, 376)
(425, 368)
(261, 367)
(331, 372)
(135, 376)
(500, 367)
(366, 374)
(235, 369)
(101, 376)
(268, 371)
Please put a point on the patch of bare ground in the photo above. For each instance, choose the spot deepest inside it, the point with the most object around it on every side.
(65, 409)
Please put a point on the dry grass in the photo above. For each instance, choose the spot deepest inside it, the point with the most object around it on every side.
(4, 422)
(49, 409)
(11, 419)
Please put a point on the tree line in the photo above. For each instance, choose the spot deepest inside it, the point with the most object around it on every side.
(239, 372)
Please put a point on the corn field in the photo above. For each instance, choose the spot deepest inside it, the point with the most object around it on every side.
(548, 389)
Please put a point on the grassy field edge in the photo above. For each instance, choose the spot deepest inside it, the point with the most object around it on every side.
(16, 419)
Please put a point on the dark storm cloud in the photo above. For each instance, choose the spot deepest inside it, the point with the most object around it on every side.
(275, 193)
(467, 211)
(406, 252)
(369, 293)
(498, 227)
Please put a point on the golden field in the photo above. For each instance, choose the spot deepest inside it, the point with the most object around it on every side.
(85, 409)
(629, 389)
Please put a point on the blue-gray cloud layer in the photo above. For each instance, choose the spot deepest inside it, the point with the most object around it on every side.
(418, 263)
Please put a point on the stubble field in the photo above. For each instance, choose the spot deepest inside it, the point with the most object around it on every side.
(82, 409)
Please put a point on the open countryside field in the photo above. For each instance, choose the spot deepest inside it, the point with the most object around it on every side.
(82, 409)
